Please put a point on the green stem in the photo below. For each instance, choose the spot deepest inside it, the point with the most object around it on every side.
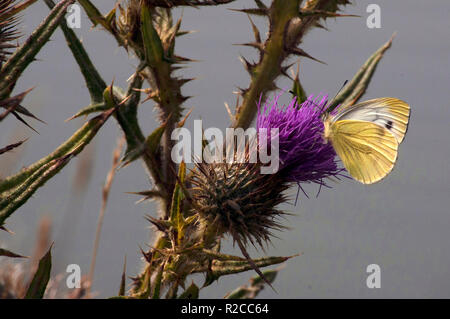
(268, 69)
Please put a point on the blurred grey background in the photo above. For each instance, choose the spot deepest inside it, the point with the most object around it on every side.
(402, 224)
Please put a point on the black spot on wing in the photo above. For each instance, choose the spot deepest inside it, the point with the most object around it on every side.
(388, 124)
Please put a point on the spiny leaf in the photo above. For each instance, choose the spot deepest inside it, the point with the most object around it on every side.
(24, 184)
(40, 280)
(20, 195)
(93, 108)
(269, 274)
(81, 138)
(354, 89)
(222, 268)
(252, 290)
(221, 257)
(154, 140)
(153, 47)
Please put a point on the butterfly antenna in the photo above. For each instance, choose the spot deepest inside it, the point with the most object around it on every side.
(330, 106)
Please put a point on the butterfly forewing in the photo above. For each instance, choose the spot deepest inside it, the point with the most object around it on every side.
(388, 112)
(367, 150)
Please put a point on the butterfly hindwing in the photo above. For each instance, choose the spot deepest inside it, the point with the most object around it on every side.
(367, 150)
(388, 112)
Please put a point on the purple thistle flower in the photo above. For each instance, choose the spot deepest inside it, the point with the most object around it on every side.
(304, 155)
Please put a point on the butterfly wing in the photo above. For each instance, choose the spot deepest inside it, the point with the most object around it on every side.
(367, 150)
(388, 112)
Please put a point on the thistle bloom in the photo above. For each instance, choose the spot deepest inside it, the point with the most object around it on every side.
(235, 198)
(304, 155)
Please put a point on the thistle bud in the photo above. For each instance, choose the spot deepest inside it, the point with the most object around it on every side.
(235, 198)
(129, 24)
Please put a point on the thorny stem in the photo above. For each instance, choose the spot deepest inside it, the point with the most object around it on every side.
(286, 32)
(268, 69)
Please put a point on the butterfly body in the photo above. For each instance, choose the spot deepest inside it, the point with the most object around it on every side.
(366, 136)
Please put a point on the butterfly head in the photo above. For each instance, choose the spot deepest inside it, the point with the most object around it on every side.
(326, 126)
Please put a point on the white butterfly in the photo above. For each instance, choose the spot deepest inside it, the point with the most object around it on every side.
(366, 136)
